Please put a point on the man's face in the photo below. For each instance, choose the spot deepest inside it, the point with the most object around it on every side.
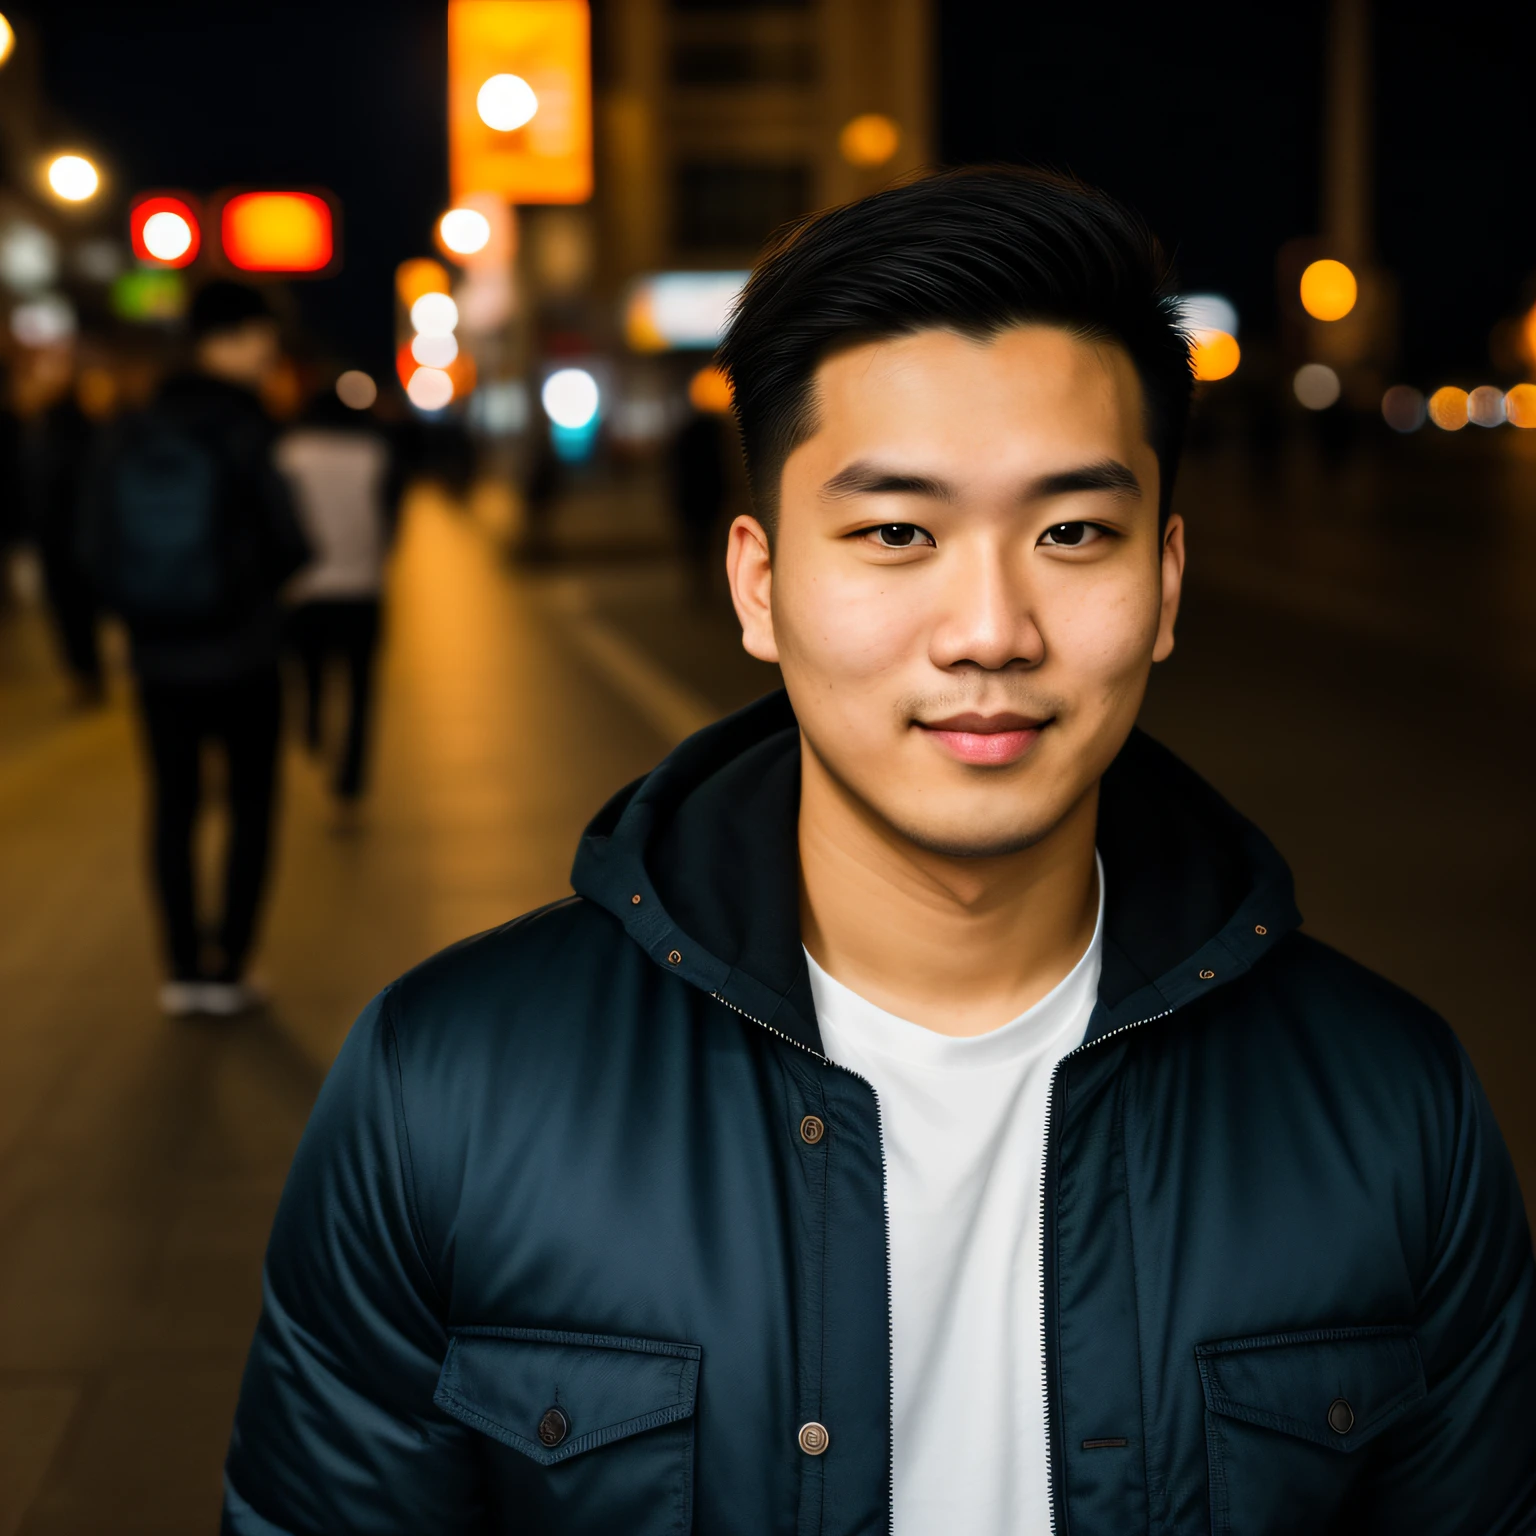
(967, 587)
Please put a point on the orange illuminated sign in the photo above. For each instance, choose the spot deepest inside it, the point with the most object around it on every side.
(164, 230)
(291, 232)
(520, 100)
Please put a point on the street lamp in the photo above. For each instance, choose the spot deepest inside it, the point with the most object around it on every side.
(73, 178)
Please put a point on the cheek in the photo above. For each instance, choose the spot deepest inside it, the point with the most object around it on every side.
(847, 628)
(1103, 633)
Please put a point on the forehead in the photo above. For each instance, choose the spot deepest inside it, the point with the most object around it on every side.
(962, 395)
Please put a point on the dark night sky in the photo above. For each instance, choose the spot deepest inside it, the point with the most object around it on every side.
(1204, 115)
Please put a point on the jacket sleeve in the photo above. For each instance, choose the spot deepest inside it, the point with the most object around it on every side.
(1465, 1461)
(336, 1429)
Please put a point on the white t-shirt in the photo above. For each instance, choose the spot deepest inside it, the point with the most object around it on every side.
(337, 479)
(963, 1123)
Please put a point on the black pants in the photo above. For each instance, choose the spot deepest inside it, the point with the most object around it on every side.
(344, 629)
(242, 717)
(72, 606)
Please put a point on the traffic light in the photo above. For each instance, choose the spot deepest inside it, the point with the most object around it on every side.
(520, 100)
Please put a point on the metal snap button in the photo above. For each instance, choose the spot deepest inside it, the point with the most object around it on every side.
(1341, 1417)
(675, 958)
(812, 1129)
(814, 1438)
(553, 1428)
(1260, 929)
(1207, 975)
(634, 901)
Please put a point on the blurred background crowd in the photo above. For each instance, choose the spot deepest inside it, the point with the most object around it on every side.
(409, 309)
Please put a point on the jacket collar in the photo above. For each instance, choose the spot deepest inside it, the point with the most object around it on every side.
(698, 861)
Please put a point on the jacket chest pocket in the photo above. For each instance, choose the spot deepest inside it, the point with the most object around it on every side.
(1286, 1416)
(585, 1433)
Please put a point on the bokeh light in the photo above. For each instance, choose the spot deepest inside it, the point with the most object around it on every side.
(1448, 408)
(430, 389)
(1316, 386)
(710, 390)
(869, 140)
(418, 276)
(278, 232)
(7, 40)
(434, 314)
(356, 389)
(506, 102)
(1520, 405)
(167, 235)
(1403, 409)
(73, 178)
(43, 322)
(1485, 406)
(433, 350)
(571, 398)
(1328, 290)
(1207, 312)
(1213, 355)
(464, 231)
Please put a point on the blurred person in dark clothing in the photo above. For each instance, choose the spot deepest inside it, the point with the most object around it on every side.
(346, 489)
(698, 491)
(60, 446)
(190, 534)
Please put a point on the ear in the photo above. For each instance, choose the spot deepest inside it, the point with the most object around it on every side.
(1173, 586)
(749, 568)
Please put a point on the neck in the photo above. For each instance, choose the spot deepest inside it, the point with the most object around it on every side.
(958, 945)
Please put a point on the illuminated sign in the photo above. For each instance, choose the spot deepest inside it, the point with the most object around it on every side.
(164, 230)
(288, 232)
(680, 309)
(520, 100)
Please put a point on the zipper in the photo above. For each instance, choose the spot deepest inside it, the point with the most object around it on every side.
(1047, 1227)
(885, 1204)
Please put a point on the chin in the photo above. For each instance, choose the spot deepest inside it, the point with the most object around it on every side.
(960, 841)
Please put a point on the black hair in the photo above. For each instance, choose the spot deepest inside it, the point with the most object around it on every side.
(226, 306)
(973, 250)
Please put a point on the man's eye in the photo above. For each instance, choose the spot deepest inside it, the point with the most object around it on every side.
(900, 535)
(1071, 535)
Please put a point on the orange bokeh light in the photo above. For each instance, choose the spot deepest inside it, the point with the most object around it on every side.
(710, 390)
(144, 210)
(278, 232)
(869, 140)
(1328, 290)
(1448, 408)
(1520, 405)
(420, 276)
(1213, 355)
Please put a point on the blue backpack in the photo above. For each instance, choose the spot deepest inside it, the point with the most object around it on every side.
(161, 542)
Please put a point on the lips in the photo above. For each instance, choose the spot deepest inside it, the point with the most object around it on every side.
(985, 741)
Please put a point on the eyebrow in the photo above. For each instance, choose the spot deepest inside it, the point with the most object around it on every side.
(864, 478)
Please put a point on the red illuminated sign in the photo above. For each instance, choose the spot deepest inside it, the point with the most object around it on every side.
(164, 230)
(288, 232)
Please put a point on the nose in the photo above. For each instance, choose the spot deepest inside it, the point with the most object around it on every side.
(986, 617)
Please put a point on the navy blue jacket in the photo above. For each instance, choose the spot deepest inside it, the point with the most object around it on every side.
(556, 1254)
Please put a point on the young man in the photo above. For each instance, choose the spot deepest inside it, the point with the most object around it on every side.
(926, 1115)
(190, 534)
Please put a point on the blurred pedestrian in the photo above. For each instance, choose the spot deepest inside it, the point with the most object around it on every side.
(60, 444)
(698, 491)
(346, 489)
(190, 533)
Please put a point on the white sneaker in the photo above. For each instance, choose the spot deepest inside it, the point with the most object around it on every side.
(225, 999)
(181, 999)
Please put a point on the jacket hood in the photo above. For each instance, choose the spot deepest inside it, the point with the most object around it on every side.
(698, 861)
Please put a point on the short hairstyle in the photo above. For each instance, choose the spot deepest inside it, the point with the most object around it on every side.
(974, 250)
(226, 306)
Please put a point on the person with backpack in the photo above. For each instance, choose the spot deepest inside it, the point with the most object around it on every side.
(340, 467)
(190, 535)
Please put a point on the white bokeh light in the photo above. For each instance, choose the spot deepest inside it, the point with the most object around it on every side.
(430, 389)
(73, 178)
(570, 398)
(506, 102)
(1316, 386)
(167, 236)
(434, 351)
(434, 314)
(465, 231)
(356, 390)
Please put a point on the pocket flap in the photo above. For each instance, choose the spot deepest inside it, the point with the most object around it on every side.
(1336, 1387)
(504, 1381)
